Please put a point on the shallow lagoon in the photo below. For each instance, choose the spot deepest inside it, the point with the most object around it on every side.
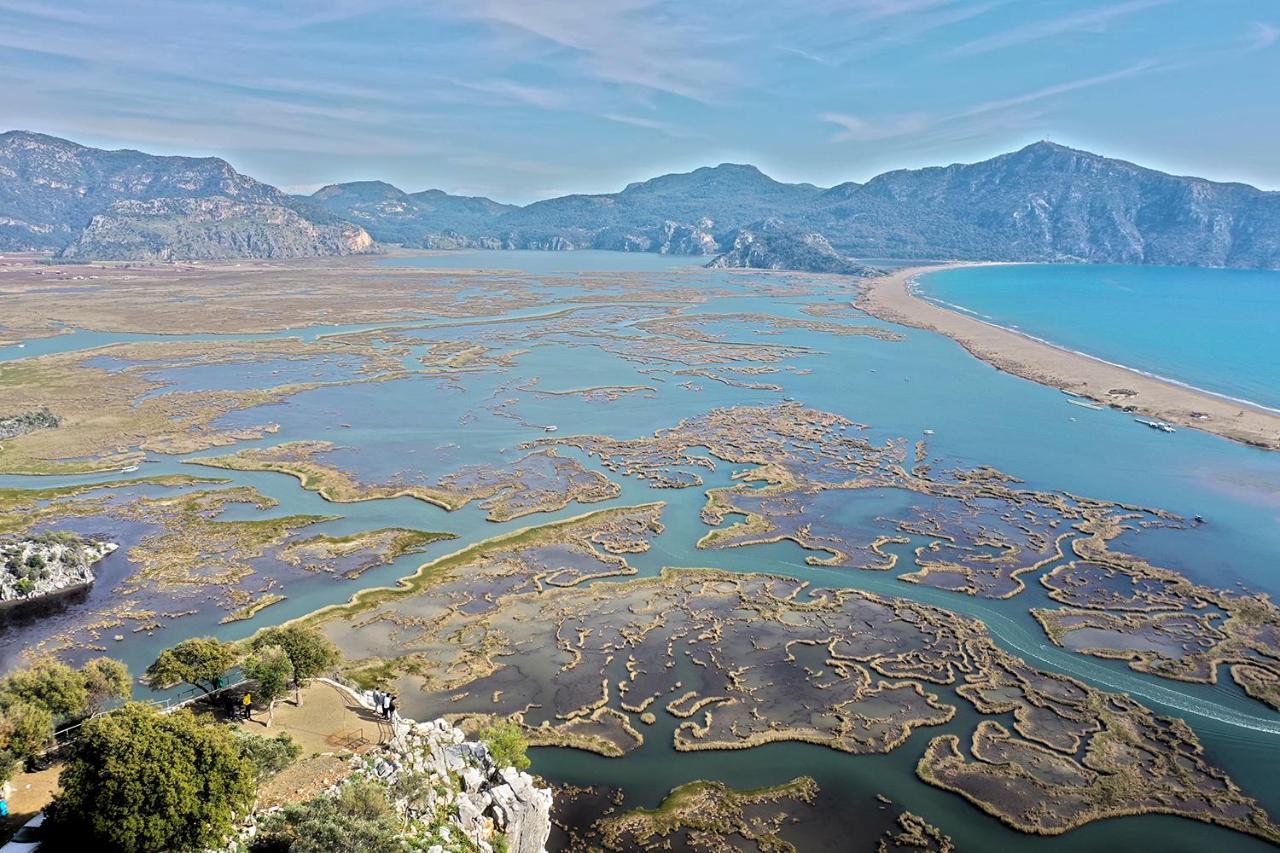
(420, 428)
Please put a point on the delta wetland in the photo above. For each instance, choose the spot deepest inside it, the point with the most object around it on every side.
(690, 528)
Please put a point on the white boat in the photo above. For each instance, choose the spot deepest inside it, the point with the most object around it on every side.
(551, 428)
(1163, 426)
(129, 470)
(1084, 404)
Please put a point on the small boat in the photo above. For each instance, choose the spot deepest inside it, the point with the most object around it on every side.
(129, 470)
(551, 428)
(928, 432)
(1162, 426)
(1084, 404)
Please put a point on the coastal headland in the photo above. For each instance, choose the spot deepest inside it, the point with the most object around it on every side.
(891, 297)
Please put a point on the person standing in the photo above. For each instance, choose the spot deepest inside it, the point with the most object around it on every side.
(246, 706)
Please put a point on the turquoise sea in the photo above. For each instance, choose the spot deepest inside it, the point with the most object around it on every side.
(1213, 329)
(924, 386)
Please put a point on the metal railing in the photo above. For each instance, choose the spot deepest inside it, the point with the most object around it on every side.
(165, 705)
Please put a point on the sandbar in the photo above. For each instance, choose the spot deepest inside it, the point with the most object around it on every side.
(890, 298)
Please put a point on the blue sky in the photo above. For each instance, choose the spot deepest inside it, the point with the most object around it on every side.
(524, 99)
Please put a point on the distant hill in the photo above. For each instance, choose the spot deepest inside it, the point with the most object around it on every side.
(86, 202)
(773, 245)
(1044, 203)
(392, 215)
(211, 228)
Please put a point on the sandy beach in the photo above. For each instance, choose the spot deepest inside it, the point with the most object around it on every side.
(889, 297)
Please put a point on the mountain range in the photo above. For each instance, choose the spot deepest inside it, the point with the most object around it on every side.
(1045, 202)
(86, 203)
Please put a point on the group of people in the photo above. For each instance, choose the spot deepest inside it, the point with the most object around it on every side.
(385, 704)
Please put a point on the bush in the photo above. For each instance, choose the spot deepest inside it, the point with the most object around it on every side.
(507, 744)
(358, 820)
(268, 755)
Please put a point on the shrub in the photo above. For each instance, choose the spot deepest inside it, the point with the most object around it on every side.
(507, 744)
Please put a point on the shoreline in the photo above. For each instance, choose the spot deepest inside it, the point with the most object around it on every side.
(890, 297)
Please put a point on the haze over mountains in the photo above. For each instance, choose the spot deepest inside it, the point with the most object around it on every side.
(1045, 202)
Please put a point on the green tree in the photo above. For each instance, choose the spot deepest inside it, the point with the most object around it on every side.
(105, 679)
(35, 700)
(357, 820)
(140, 781)
(270, 667)
(309, 650)
(25, 729)
(201, 662)
(51, 685)
(507, 744)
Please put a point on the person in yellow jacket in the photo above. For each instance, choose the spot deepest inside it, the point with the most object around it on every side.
(247, 705)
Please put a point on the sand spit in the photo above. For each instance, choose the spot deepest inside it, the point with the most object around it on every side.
(890, 298)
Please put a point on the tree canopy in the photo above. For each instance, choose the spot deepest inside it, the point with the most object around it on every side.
(140, 781)
(271, 668)
(51, 685)
(37, 699)
(25, 729)
(308, 649)
(201, 662)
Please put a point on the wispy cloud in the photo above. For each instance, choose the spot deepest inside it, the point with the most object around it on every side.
(1262, 36)
(628, 42)
(533, 96)
(665, 128)
(857, 128)
(1085, 21)
(866, 130)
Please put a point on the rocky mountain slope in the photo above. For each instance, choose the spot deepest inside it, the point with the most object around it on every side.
(1045, 202)
(773, 245)
(210, 229)
(412, 219)
(56, 195)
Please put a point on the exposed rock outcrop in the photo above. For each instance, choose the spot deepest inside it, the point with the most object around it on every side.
(469, 802)
(34, 567)
(56, 195)
(773, 245)
(12, 426)
(211, 229)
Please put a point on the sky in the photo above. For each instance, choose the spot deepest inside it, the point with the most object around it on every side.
(526, 99)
